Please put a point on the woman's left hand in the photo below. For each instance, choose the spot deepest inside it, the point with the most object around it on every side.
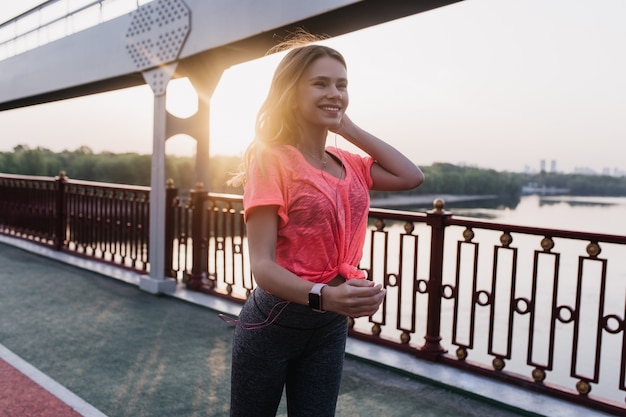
(354, 298)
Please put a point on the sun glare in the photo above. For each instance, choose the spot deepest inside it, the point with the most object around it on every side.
(235, 103)
(180, 145)
(182, 99)
(182, 102)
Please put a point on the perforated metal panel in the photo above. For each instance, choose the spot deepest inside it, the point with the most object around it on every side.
(157, 33)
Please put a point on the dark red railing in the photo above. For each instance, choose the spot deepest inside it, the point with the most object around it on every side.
(541, 303)
(107, 222)
(540, 308)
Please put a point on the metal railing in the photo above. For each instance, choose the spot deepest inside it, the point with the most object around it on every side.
(56, 19)
(107, 222)
(541, 308)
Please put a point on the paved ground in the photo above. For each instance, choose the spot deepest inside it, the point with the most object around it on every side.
(125, 352)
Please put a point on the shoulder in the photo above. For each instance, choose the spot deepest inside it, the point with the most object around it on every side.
(357, 163)
(273, 161)
(349, 157)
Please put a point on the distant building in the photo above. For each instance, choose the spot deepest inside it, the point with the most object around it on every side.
(537, 189)
(584, 171)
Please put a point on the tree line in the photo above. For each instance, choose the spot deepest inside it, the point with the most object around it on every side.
(134, 169)
(118, 168)
(445, 178)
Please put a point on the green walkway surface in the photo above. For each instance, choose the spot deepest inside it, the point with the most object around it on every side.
(130, 353)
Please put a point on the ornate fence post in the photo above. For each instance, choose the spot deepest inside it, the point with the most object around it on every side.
(196, 281)
(171, 202)
(60, 219)
(436, 219)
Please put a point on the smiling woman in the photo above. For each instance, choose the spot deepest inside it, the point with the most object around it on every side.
(300, 194)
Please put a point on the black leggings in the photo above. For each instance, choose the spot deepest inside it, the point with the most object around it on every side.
(301, 350)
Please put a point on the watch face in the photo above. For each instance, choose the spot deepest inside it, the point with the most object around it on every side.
(314, 301)
(315, 297)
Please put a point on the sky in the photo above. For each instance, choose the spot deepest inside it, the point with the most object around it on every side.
(500, 84)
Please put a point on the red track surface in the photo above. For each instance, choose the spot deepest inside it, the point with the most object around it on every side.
(20, 396)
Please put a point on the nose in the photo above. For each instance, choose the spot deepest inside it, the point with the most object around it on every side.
(335, 93)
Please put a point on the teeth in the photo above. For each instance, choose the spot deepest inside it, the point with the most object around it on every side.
(331, 108)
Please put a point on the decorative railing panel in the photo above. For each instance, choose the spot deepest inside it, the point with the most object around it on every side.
(107, 222)
(220, 262)
(541, 296)
(536, 307)
(28, 207)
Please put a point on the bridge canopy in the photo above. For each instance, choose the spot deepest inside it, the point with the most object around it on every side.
(218, 33)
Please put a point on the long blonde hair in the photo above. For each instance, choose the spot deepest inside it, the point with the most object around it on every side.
(276, 121)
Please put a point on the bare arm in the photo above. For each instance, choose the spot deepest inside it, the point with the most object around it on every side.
(392, 171)
(355, 298)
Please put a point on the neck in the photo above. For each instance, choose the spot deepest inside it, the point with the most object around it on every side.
(313, 141)
(314, 151)
(317, 157)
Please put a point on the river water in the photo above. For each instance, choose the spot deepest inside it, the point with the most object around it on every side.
(582, 214)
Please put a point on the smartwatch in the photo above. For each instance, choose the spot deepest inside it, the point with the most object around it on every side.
(315, 298)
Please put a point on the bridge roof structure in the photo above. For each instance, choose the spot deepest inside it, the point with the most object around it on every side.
(218, 33)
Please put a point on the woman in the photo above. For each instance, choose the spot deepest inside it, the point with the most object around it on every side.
(306, 209)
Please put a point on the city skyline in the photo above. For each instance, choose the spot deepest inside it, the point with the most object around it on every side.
(496, 84)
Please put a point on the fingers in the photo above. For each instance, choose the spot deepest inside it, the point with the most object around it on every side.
(360, 283)
(365, 309)
(362, 298)
(342, 123)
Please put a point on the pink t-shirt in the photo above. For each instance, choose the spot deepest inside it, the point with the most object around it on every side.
(322, 219)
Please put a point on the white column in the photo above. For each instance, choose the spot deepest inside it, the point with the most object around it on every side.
(156, 282)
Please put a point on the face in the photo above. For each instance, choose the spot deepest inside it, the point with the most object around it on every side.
(322, 94)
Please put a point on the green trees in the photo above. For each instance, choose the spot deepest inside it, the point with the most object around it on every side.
(126, 168)
(134, 169)
(452, 179)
